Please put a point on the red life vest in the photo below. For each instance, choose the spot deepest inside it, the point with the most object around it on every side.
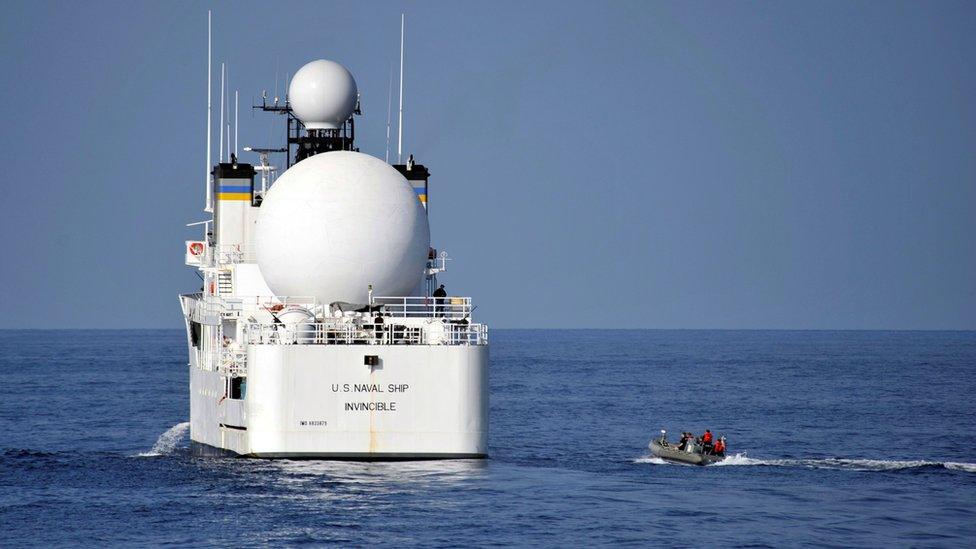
(707, 438)
(719, 447)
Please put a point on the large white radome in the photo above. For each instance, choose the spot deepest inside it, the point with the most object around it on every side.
(335, 223)
(322, 94)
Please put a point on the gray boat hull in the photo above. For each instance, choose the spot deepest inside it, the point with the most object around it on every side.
(671, 453)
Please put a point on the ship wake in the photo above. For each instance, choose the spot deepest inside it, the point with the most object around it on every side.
(168, 442)
(848, 464)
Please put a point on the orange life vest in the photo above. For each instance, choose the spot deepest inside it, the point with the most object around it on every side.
(719, 447)
(707, 438)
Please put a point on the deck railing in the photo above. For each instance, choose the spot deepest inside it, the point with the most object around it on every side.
(386, 333)
(454, 308)
(234, 254)
(212, 305)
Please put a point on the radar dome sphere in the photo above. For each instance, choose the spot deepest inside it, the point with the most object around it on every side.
(337, 222)
(322, 94)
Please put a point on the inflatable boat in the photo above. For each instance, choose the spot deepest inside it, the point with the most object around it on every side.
(691, 456)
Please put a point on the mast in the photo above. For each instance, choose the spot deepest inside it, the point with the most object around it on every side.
(389, 111)
(400, 120)
(227, 99)
(236, 112)
(208, 206)
(221, 148)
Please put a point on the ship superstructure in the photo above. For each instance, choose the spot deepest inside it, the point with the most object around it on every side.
(321, 330)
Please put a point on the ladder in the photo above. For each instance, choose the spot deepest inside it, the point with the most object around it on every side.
(225, 283)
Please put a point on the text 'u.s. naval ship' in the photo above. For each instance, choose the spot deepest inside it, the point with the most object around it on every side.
(321, 330)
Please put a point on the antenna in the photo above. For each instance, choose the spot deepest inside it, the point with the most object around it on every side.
(208, 207)
(389, 111)
(221, 149)
(400, 120)
(235, 121)
(227, 98)
(276, 81)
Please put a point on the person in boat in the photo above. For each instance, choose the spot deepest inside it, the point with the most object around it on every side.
(663, 440)
(683, 443)
(719, 449)
(706, 442)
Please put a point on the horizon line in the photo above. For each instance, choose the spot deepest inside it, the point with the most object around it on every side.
(2, 329)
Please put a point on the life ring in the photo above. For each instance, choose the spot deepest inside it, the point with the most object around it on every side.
(196, 248)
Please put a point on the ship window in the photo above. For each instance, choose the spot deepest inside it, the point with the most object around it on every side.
(238, 387)
(195, 333)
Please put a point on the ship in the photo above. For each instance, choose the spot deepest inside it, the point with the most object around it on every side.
(321, 329)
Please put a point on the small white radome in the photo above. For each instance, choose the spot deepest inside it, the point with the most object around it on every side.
(322, 94)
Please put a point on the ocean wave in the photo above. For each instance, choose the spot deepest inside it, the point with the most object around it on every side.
(741, 459)
(168, 441)
(26, 453)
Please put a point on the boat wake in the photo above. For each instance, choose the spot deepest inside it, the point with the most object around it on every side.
(830, 463)
(651, 459)
(168, 441)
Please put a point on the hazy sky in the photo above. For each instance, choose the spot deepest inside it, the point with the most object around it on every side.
(594, 164)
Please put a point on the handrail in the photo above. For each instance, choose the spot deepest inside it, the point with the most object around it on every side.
(450, 307)
(345, 333)
(223, 305)
(232, 254)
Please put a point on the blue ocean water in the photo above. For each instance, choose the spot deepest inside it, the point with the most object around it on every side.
(842, 438)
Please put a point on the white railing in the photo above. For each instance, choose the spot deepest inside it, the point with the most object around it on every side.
(329, 333)
(232, 305)
(468, 334)
(343, 333)
(219, 255)
(214, 305)
(454, 308)
(234, 254)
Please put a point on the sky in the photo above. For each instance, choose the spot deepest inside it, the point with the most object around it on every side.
(730, 165)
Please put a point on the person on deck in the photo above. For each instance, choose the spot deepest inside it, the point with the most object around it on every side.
(440, 294)
(378, 327)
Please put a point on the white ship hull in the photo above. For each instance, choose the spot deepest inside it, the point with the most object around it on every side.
(321, 401)
(320, 329)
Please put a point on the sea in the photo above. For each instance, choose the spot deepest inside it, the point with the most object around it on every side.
(836, 438)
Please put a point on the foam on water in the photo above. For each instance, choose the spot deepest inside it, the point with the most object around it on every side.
(849, 464)
(739, 459)
(956, 466)
(829, 463)
(168, 441)
(654, 460)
